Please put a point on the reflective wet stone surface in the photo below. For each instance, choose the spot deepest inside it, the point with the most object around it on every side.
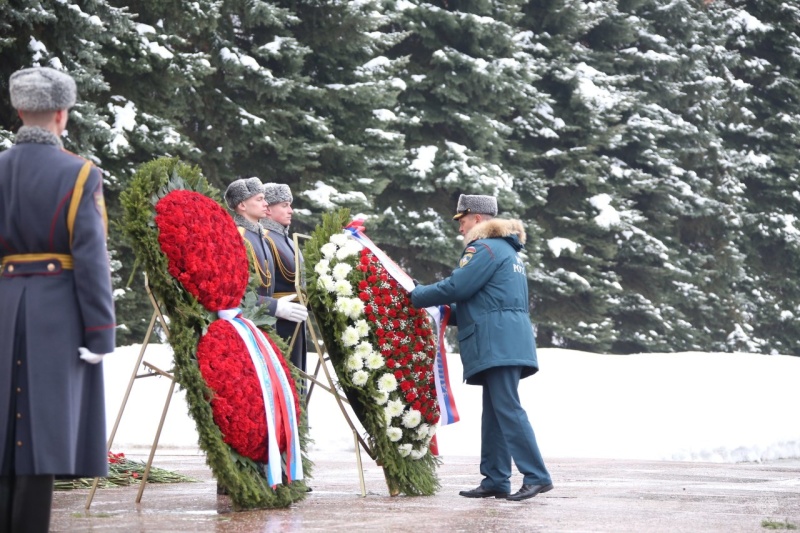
(589, 495)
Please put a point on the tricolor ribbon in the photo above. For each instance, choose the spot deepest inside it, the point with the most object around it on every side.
(440, 315)
(278, 400)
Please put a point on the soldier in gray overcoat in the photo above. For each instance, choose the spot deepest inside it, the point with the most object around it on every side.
(279, 218)
(57, 311)
(245, 197)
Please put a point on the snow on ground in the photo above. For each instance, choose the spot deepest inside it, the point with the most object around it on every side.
(712, 407)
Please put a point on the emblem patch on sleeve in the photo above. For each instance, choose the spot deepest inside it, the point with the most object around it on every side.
(470, 250)
(464, 260)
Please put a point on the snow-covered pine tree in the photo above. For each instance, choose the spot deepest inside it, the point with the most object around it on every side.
(565, 171)
(766, 34)
(679, 264)
(353, 88)
(466, 74)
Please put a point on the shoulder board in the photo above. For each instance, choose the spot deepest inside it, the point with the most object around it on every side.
(241, 230)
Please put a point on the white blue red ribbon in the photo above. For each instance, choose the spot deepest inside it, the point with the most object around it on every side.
(278, 398)
(447, 402)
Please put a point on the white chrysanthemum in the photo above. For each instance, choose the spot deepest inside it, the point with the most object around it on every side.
(343, 288)
(354, 362)
(341, 270)
(432, 430)
(380, 397)
(364, 348)
(411, 418)
(422, 432)
(328, 250)
(350, 307)
(345, 252)
(374, 361)
(322, 267)
(387, 382)
(339, 239)
(360, 378)
(394, 434)
(394, 408)
(363, 327)
(326, 283)
(350, 337)
(418, 454)
(404, 450)
(350, 248)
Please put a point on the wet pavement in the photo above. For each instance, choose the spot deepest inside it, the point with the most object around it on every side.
(589, 495)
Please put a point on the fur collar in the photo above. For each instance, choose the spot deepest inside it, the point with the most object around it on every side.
(239, 220)
(36, 135)
(497, 228)
(271, 225)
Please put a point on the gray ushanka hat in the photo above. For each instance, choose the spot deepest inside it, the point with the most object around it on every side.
(42, 89)
(475, 203)
(242, 189)
(275, 193)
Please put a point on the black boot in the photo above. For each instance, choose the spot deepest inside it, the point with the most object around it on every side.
(32, 500)
(6, 501)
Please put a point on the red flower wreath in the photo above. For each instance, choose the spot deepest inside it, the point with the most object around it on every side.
(205, 254)
(203, 247)
(229, 372)
(402, 332)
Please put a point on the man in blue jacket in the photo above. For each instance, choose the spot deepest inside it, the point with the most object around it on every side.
(489, 290)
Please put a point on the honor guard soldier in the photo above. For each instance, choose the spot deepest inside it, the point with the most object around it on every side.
(495, 337)
(279, 218)
(57, 313)
(245, 197)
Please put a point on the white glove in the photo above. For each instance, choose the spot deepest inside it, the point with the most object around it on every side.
(90, 357)
(288, 310)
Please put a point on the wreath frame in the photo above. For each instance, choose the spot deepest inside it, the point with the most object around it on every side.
(242, 477)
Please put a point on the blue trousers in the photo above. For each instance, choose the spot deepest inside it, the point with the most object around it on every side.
(506, 433)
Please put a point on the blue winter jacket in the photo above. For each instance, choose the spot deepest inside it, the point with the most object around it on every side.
(490, 290)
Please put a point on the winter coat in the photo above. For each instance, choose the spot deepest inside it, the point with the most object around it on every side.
(260, 257)
(490, 290)
(48, 310)
(282, 248)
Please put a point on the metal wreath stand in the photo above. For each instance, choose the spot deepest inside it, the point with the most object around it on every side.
(328, 384)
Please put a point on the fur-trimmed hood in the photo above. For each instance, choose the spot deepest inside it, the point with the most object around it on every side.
(497, 228)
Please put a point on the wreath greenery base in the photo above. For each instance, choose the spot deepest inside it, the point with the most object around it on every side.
(403, 474)
(188, 321)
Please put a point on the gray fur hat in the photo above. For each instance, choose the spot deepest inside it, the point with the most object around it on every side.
(276, 193)
(242, 189)
(475, 203)
(42, 89)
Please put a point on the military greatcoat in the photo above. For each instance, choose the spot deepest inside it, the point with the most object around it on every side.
(52, 401)
(286, 270)
(261, 261)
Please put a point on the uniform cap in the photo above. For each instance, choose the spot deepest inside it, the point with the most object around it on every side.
(275, 193)
(242, 189)
(42, 89)
(475, 204)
